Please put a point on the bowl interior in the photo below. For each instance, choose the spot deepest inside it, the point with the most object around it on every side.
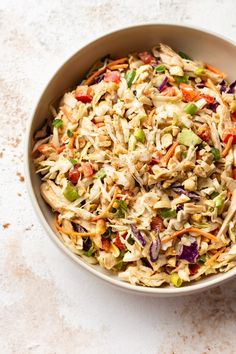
(197, 43)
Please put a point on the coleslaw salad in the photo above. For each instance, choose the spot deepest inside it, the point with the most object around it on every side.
(138, 167)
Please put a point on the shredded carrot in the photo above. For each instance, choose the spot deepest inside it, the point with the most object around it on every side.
(90, 79)
(116, 62)
(105, 213)
(72, 141)
(170, 152)
(187, 230)
(118, 66)
(215, 70)
(72, 234)
(67, 114)
(213, 87)
(215, 256)
(227, 147)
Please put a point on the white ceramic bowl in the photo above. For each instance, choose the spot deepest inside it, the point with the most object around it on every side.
(198, 43)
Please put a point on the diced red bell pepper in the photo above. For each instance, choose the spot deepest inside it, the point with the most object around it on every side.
(124, 235)
(209, 99)
(193, 268)
(228, 133)
(146, 57)
(83, 94)
(233, 116)
(74, 174)
(87, 169)
(189, 94)
(112, 76)
(118, 243)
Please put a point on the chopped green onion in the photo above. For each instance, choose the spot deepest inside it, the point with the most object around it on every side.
(107, 233)
(120, 211)
(129, 77)
(216, 153)
(179, 79)
(201, 259)
(190, 108)
(199, 71)
(184, 55)
(69, 133)
(160, 68)
(175, 280)
(185, 153)
(57, 123)
(73, 161)
(139, 135)
(101, 174)
(70, 192)
(214, 194)
(167, 213)
(218, 201)
(89, 252)
(187, 137)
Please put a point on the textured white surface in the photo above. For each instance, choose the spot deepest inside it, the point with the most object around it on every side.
(47, 304)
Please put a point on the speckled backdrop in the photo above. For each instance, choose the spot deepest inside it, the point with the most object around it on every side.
(47, 304)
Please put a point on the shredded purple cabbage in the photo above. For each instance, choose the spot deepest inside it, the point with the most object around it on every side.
(181, 190)
(189, 253)
(179, 207)
(163, 84)
(231, 87)
(222, 86)
(98, 78)
(213, 105)
(137, 234)
(155, 247)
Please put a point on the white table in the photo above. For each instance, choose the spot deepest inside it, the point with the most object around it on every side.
(48, 304)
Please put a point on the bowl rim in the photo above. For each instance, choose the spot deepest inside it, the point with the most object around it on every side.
(158, 291)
